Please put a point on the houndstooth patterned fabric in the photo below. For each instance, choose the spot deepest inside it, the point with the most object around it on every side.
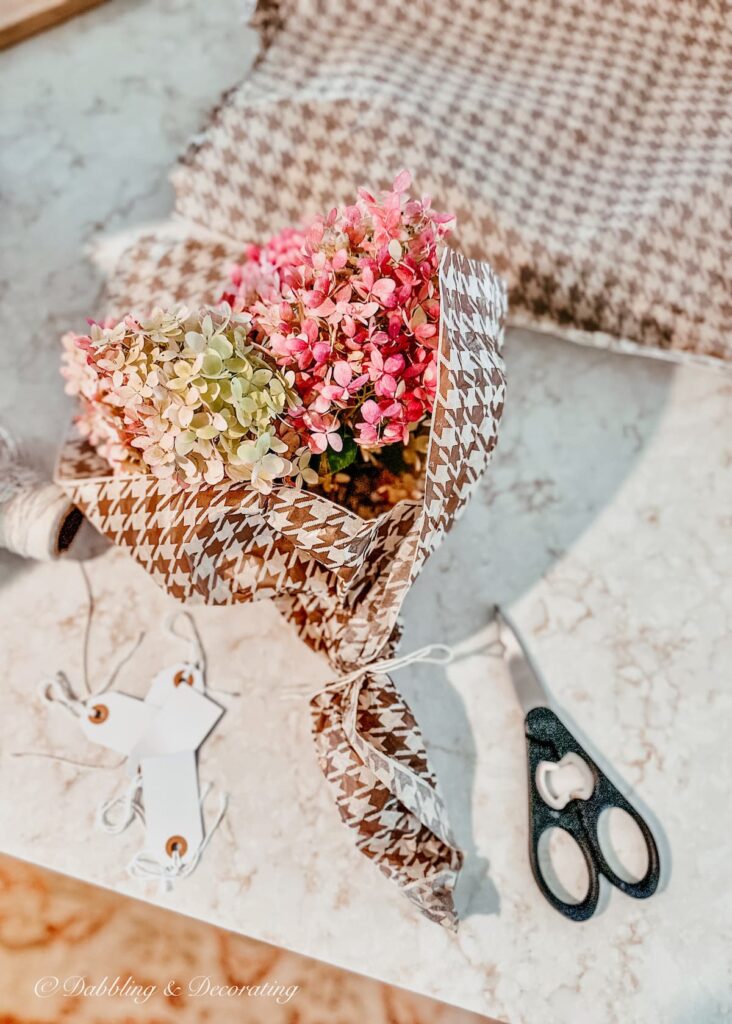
(586, 148)
(340, 579)
(371, 750)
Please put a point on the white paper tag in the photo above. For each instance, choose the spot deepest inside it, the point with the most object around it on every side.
(172, 806)
(183, 673)
(116, 721)
(181, 723)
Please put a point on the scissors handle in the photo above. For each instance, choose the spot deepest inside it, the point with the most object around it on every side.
(547, 739)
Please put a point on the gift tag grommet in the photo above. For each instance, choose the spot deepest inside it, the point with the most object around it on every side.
(116, 721)
(183, 675)
(99, 713)
(173, 822)
(176, 844)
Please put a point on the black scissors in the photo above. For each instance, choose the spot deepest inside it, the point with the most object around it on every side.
(567, 790)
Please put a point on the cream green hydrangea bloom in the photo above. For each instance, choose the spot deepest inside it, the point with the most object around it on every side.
(182, 395)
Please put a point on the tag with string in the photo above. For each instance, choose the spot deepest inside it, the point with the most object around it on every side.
(116, 721)
(182, 673)
(173, 822)
(112, 720)
(189, 672)
(181, 723)
(160, 737)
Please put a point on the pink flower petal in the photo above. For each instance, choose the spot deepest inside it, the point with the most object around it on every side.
(336, 442)
(326, 307)
(394, 364)
(321, 351)
(322, 402)
(383, 289)
(343, 373)
(340, 259)
(371, 411)
(425, 331)
(386, 387)
(310, 329)
(402, 182)
(367, 434)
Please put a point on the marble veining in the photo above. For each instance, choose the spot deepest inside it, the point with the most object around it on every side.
(143, 965)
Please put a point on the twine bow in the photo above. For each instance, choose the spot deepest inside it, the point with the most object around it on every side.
(432, 654)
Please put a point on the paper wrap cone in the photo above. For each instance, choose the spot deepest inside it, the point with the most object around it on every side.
(339, 578)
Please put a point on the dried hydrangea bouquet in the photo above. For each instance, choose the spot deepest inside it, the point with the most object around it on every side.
(309, 437)
(319, 369)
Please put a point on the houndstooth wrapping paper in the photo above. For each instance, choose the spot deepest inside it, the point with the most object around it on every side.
(585, 148)
(340, 579)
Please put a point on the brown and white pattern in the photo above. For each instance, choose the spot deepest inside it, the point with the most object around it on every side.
(340, 579)
(586, 148)
(371, 750)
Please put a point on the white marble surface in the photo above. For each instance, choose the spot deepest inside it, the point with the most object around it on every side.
(604, 524)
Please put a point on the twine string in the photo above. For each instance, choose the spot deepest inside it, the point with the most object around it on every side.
(432, 654)
(127, 803)
(197, 653)
(115, 814)
(33, 512)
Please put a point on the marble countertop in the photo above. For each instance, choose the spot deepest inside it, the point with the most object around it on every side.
(603, 524)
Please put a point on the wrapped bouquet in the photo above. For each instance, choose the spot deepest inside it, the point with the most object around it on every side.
(323, 356)
(308, 437)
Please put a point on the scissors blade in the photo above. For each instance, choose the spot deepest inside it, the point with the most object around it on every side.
(528, 682)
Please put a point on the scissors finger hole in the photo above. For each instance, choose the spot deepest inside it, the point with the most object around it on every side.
(622, 844)
(562, 865)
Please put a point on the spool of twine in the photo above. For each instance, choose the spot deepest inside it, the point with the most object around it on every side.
(37, 520)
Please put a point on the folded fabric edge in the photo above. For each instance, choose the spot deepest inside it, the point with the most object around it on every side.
(605, 342)
(385, 819)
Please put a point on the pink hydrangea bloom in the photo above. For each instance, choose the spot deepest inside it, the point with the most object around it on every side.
(351, 305)
(265, 272)
(323, 432)
(329, 344)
